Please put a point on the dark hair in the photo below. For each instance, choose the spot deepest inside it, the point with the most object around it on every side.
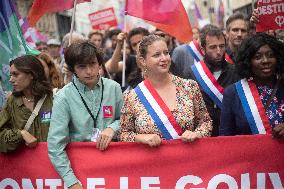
(250, 47)
(95, 33)
(209, 30)
(113, 32)
(29, 64)
(235, 16)
(82, 53)
(136, 31)
(135, 77)
(147, 41)
(159, 33)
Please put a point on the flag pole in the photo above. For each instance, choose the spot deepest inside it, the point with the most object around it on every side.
(252, 5)
(71, 31)
(72, 21)
(124, 51)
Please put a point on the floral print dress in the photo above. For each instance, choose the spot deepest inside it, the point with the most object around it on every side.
(275, 111)
(190, 112)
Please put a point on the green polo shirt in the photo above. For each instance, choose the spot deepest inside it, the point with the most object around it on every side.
(70, 120)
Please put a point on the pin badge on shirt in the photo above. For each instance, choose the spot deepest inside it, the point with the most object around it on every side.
(45, 117)
(108, 111)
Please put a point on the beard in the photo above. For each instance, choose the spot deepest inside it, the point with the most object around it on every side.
(215, 63)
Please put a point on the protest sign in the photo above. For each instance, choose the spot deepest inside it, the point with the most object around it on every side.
(103, 19)
(271, 15)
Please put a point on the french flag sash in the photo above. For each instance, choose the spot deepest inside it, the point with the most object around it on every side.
(207, 82)
(228, 59)
(253, 107)
(158, 110)
(194, 49)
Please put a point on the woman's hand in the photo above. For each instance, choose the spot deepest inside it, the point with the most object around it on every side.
(105, 138)
(278, 131)
(30, 140)
(189, 136)
(76, 186)
(152, 140)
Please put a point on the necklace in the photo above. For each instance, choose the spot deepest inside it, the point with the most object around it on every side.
(27, 99)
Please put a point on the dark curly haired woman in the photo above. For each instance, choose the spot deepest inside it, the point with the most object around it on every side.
(255, 104)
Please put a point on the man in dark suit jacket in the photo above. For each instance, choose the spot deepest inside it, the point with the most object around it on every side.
(213, 45)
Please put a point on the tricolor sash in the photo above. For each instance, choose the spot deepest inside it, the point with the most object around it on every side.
(158, 110)
(228, 59)
(194, 49)
(253, 107)
(208, 83)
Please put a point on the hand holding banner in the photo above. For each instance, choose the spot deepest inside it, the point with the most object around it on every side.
(214, 163)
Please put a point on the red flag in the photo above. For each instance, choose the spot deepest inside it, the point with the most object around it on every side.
(167, 15)
(41, 7)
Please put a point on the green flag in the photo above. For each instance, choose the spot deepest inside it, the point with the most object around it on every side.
(12, 43)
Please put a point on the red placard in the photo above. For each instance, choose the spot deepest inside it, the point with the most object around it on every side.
(271, 15)
(244, 162)
(103, 19)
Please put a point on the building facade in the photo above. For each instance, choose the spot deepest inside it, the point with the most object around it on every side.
(211, 10)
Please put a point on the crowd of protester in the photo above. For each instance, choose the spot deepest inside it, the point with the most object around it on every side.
(72, 91)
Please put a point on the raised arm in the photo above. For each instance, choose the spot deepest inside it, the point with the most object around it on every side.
(113, 65)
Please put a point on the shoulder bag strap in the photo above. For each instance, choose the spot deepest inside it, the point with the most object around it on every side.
(34, 113)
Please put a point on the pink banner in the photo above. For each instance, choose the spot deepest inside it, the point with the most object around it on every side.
(103, 19)
(271, 15)
(244, 162)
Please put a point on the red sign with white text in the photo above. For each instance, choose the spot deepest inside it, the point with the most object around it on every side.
(244, 162)
(103, 19)
(271, 15)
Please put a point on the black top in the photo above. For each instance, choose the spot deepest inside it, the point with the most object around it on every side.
(130, 66)
(232, 55)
